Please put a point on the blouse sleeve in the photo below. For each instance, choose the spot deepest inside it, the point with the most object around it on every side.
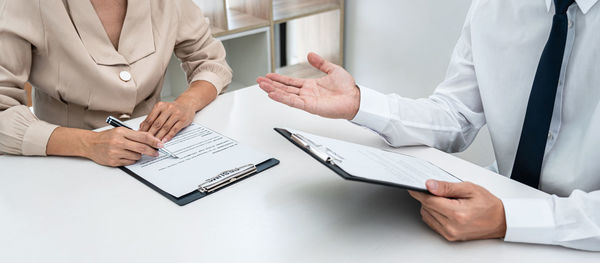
(201, 55)
(21, 133)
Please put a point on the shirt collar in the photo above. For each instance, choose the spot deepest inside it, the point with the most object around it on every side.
(584, 5)
(137, 35)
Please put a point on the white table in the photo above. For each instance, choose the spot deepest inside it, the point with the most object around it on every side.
(55, 209)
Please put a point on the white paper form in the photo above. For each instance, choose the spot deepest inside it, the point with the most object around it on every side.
(376, 164)
(202, 153)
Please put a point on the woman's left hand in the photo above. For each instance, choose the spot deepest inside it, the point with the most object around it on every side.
(168, 118)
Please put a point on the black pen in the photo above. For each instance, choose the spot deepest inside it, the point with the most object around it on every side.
(118, 123)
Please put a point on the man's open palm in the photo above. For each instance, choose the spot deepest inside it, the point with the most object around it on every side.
(333, 96)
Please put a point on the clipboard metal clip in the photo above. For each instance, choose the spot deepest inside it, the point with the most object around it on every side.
(322, 152)
(227, 177)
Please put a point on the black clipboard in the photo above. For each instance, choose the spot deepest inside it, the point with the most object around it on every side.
(339, 171)
(195, 195)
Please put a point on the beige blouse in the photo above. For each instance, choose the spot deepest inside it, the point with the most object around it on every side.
(62, 49)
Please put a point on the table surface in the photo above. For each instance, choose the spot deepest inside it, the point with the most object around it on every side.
(57, 209)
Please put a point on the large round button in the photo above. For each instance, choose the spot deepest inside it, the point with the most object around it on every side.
(125, 75)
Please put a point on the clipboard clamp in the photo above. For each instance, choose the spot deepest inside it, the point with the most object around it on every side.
(227, 177)
(320, 151)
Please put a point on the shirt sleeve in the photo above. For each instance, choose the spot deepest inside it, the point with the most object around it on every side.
(201, 55)
(21, 133)
(572, 221)
(448, 120)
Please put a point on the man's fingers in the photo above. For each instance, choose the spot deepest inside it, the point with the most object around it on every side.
(270, 86)
(452, 190)
(442, 205)
(294, 82)
(288, 99)
(320, 63)
(283, 87)
(431, 221)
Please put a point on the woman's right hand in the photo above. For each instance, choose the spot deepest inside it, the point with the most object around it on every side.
(120, 146)
(114, 147)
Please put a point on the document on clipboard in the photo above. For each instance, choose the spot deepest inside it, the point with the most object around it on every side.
(357, 162)
(207, 161)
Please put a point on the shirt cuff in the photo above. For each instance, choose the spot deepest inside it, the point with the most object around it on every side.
(211, 77)
(36, 138)
(529, 220)
(374, 111)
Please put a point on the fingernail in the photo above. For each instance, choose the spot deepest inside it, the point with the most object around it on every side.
(432, 185)
(160, 145)
(164, 140)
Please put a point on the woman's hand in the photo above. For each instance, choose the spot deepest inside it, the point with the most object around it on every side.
(168, 118)
(121, 146)
(333, 96)
(114, 147)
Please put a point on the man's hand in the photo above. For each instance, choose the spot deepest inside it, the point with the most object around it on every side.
(333, 96)
(167, 118)
(120, 146)
(461, 211)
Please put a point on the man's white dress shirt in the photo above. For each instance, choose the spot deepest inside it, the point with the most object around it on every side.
(488, 82)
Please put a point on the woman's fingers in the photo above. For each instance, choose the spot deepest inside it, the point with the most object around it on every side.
(159, 122)
(156, 110)
(174, 130)
(143, 137)
(139, 148)
(167, 127)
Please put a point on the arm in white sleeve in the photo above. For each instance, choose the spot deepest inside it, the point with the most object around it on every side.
(572, 221)
(448, 120)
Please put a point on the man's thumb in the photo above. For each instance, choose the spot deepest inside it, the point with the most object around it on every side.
(446, 189)
(320, 63)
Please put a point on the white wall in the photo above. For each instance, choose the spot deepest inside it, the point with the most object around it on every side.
(402, 46)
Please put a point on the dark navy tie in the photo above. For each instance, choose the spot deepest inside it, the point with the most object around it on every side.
(532, 144)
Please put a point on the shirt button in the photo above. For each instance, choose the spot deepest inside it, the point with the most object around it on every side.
(125, 76)
(550, 136)
(570, 23)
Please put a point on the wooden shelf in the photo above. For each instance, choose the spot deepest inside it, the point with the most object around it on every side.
(284, 10)
(238, 21)
(216, 31)
(301, 70)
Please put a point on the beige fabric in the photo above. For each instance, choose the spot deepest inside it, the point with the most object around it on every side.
(60, 46)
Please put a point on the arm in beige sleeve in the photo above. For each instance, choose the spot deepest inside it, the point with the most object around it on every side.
(21, 133)
(201, 55)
